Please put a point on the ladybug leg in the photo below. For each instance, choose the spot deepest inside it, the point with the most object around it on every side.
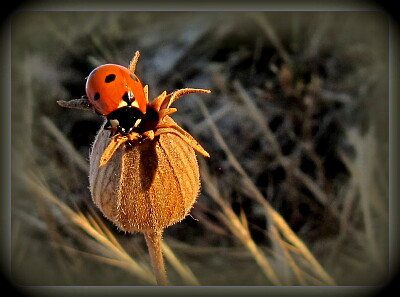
(111, 126)
(133, 136)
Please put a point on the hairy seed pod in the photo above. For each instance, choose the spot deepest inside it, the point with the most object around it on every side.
(146, 185)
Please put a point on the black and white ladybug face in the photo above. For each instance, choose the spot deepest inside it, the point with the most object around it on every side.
(124, 120)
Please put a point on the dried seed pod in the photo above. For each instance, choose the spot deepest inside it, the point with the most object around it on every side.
(146, 185)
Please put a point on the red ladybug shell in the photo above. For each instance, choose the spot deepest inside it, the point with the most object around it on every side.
(110, 87)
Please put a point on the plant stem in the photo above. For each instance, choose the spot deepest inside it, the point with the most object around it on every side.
(153, 240)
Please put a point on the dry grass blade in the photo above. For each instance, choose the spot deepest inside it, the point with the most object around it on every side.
(270, 32)
(184, 271)
(288, 257)
(65, 144)
(259, 119)
(239, 229)
(298, 243)
(362, 173)
(101, 226)
(110, 261)
(108, 240)
(220, 113)
(89, 225)
(275, 217)
(284, 161)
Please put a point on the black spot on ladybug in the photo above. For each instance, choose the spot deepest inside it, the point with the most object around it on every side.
(109, 78)
(96, 96)
(133, 77)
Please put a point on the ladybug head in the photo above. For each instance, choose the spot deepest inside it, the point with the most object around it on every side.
(124, 120)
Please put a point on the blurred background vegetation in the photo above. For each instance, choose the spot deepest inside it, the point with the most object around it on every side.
(296, 189)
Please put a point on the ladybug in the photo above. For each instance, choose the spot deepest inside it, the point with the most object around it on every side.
(116, 93)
